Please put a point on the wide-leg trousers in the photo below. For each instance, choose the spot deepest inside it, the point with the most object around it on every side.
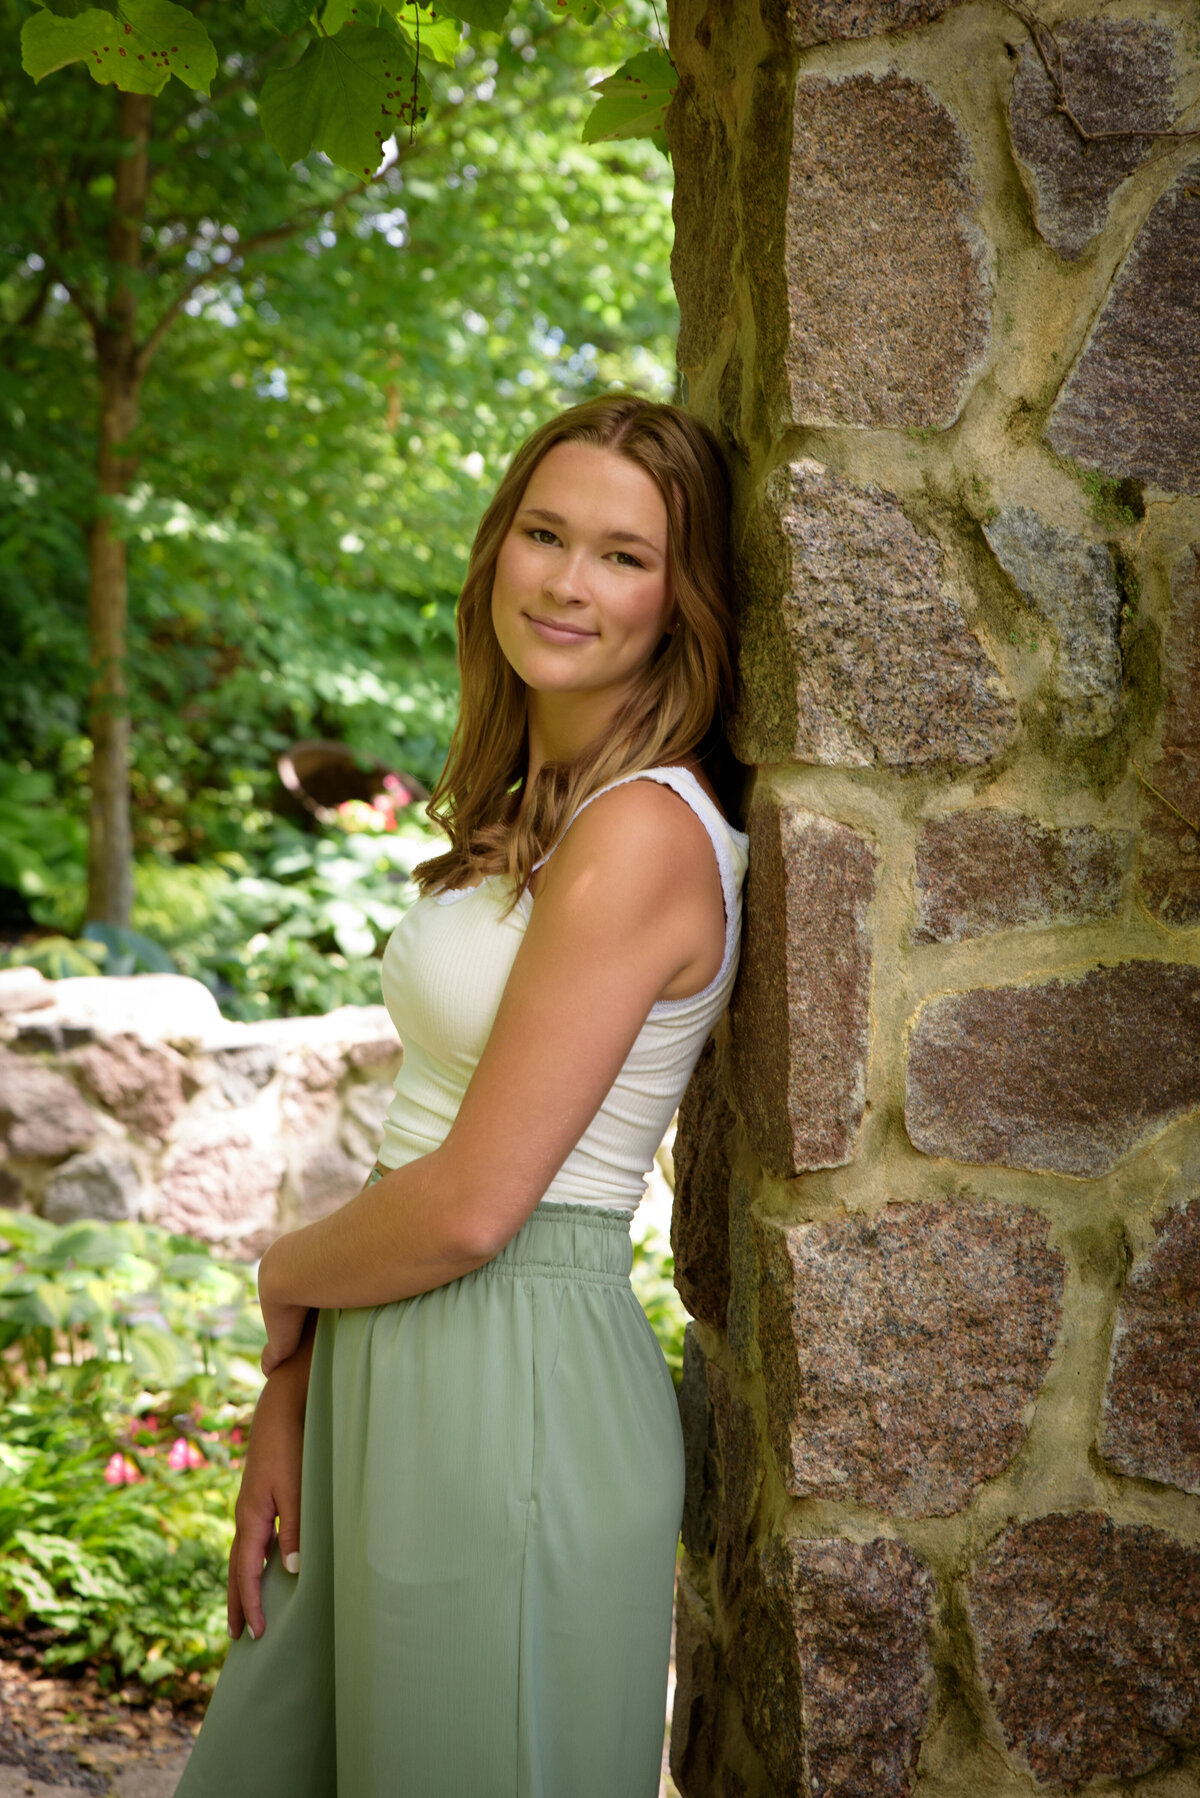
(492, 1491)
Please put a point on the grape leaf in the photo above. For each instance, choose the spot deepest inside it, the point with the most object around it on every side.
(584, 10)
(49, 43)
(71, 9)
(346, 95)
(139, 50)
(286, 16)
(438, 37)
(485, 15)
(349, 12)
(634, 101)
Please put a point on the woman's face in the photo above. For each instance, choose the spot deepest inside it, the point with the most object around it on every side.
(582, 592)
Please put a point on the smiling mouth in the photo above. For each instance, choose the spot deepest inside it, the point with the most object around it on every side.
(554, 632)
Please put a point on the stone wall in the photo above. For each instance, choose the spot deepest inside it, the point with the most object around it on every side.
(938, 1207)
(135, 1099)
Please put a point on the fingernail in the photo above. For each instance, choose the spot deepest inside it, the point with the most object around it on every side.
(292, 1562)
(253, 1632)
(229, 1627)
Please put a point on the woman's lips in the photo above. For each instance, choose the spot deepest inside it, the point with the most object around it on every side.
(553, 632)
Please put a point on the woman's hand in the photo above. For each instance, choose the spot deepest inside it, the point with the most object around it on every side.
(270, 1490)
(285, 1322)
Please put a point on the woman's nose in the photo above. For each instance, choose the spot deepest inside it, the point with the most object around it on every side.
(567, 584)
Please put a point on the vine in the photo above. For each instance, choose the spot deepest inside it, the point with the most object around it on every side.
(1050, 53)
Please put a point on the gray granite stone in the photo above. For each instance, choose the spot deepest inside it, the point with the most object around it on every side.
(854, 650)
(1089, 1645)
(42, 1116)
(1131, 404)
(801, 1008)
(104, 1184)
(1057, 1076)
(220, 1185)
(827, 21)
(901, 1351)
(329, 1177)
(978, 872)
(141, 1083)
(1072, 585)
(741, 1481)
(706, 226)
(1119, 74)
(699, 1681)
(834, 1668)
(1170, 861)
(1151, 1422)
(243, 1073)
(702, 1484)
(700, 1213)
(887, 300)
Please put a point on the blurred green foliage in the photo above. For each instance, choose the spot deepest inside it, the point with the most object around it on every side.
(653, 1280)
(320, 432)
(128, 1373)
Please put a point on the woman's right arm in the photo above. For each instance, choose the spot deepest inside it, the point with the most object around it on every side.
(270, 1486)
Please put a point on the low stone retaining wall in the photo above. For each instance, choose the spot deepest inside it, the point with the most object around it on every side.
(136, 1099)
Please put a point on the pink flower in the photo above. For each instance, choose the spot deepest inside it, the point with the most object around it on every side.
(121, 1471)
(184, 1455)
(235, 1436)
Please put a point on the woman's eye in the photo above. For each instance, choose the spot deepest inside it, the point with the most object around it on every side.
(540, 534)
(623, 556)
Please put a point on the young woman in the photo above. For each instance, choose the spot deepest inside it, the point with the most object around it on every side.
(468, 1592)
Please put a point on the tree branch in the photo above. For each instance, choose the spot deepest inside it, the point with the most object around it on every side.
(264, 240)
(83, 306)
(26, 320)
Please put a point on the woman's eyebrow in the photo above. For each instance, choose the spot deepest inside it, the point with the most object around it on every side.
(611, 536)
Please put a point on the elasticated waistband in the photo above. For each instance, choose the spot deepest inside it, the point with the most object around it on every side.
(580, 1241)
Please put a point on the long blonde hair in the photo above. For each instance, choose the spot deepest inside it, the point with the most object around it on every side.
(675, 711)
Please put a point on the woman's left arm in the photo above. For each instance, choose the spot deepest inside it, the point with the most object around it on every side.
(629, 905)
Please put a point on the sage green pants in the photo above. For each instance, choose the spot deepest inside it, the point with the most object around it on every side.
(492, 1490)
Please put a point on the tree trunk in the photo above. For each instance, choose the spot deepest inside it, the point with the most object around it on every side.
(110, 850)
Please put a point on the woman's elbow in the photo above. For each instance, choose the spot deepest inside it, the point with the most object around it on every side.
(485, 1216)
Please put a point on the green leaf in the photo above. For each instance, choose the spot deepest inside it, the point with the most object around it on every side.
(49, 43)
(344, 96)
(438, 38)
(58, 958)
(138, 51)
(634, 101)
(583, 10)
(285, 15)
(484, 15)
(25, 1230)
(129, 951)
(176, 37)
(88, 1244)
(70, 9)
(349, 12)
(157, 1357)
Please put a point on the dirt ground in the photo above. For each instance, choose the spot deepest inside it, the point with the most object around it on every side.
(61, 1738)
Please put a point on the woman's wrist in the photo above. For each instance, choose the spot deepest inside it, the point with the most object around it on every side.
(290, 1377)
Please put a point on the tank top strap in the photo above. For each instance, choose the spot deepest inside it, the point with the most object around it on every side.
(729, 844)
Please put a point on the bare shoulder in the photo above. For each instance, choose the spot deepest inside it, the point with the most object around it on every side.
(642, 825)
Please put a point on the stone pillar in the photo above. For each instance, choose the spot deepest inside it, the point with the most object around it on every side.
(938, 1211)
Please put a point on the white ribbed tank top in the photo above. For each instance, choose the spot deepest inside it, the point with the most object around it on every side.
(444, 972)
